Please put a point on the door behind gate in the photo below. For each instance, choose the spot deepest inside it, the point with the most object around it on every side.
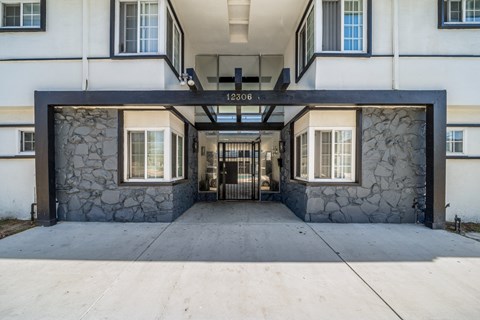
(238, 164)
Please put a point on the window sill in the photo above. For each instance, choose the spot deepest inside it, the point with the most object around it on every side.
(138, 56)
(152, 184)
(460, 157)
(22, 156)
(344, 54)
(326, 183)
(460, 25)
(22, 29)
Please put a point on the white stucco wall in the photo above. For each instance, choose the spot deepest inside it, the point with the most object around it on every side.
(463, 184)
(17, 190)
(419, 33)
(18, 175)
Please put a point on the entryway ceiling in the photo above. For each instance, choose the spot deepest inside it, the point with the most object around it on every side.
(207, 25)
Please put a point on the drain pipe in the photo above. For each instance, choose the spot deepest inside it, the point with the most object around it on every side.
(85, 48)
(32, 211)
(395, 47)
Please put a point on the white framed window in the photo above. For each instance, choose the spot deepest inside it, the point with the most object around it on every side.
(344, 26)
(147, 157)
(334, 154)
(174, 40)
(455, 141)
(177, 155)
(325, 146)
(461, 11)
(138, 27)
(306, 39)
(26, 141)
(20, 14)
(301, 155)
(146, 154)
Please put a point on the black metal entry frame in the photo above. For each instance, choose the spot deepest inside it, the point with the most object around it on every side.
(234, 184)
(435, 102)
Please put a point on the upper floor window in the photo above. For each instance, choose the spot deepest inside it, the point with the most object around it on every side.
(174, 41)
(138, 27)
(147, 27)
(306, 39)
(20, 14)
(455, 140)
(344, 25)
(461, 11)
(457, 14)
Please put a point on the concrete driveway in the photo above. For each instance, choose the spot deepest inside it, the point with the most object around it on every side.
(238, 261)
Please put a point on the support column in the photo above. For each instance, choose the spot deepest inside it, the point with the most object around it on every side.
(45, 163)
(436, 163)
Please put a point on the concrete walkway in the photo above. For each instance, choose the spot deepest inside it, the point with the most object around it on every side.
(238, 261)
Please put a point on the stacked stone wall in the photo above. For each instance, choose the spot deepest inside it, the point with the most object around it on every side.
(393, 174)
(86, 144)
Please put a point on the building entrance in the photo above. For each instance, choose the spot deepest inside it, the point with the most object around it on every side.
(238, 171)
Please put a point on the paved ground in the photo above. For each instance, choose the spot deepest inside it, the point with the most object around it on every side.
(238, 261)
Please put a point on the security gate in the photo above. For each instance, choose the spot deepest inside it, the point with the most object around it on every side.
(238, 170)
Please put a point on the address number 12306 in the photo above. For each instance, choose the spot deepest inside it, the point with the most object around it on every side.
(239, 96)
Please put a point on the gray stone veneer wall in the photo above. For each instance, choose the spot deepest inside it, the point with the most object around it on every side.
(86, 143)
(393, 174)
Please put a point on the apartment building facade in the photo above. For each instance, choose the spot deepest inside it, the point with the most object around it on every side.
(344, 110)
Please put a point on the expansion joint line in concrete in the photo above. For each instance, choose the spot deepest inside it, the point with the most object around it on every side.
(356, 273)
(121, 272)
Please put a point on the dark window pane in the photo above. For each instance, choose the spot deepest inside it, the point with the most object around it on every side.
(137, 154)
(11, 15)
(174, 155)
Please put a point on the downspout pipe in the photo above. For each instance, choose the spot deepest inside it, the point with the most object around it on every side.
(395, 47)
(85, 47)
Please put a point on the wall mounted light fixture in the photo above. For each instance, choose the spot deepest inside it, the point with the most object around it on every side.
(185, 78)
(281, 146)
(195, 145)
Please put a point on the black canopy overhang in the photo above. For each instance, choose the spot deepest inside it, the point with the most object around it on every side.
(433, 100)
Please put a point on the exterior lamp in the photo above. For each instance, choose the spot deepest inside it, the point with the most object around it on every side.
(185, 78)
(195, 145)
(281, 146)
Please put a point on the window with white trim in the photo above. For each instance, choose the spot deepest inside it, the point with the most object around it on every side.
(461, 11)
(147, 157)
(138, 31)
(148, 27)
(146, 154)
(306, 39)
(455, 140)
(334, 154)
(344, 25)
(325, 146)
(177, 155)
(174, 41)
(301, 156)
(27, 141)
(20, 14)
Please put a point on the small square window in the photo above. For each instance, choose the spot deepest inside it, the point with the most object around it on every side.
(455, 139)
(27, 141)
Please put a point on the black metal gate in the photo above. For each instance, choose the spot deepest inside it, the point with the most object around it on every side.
(238, 170)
